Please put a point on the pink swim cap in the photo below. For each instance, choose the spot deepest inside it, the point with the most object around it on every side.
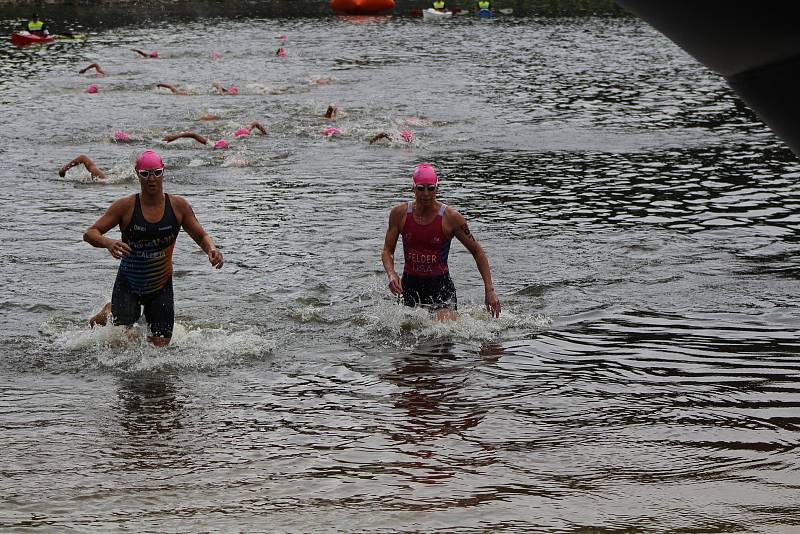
(233, 90)
(424, 173)
(121, 135)
(330, 131)
(407, 135)
(222, 143)
(281, 52)
(92, 88)
(148, 159)
(154, 53)
(282, 36)
(241, 132)
(215, 55)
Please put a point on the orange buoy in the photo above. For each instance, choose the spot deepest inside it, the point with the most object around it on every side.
(362, 7)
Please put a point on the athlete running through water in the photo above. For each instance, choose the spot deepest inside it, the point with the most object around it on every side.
(150, 222)
(427, 227)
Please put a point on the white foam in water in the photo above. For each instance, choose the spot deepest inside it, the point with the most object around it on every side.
(472, 323)
(191, 347)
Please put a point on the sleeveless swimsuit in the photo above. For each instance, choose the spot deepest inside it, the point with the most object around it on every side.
(426, 276)
(144, 277)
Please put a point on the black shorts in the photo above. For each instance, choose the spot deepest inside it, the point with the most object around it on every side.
(159, 307)
(435, 292)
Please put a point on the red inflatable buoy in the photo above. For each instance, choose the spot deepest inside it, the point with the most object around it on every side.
(362, 7)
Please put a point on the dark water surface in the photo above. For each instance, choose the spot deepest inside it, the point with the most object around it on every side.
(642, 231)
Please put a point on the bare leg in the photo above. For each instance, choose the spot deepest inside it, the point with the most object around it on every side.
(446, 314)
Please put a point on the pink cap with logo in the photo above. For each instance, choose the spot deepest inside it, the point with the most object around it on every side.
(154, 54)
(149, 159)
(121, 135)
(233, 90)
(242, 132)
(91, 89)
(222, 143)
(424, 173)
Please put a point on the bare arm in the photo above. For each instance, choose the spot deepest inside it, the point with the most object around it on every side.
(98, 69)
(87, 162)
(112, 217)
(140, 52)
(331, 112)
(218, 87)
(389, 246)
(382, 135)
(172, 88)
(257, 126)
(196, 231)
(463, 234)
(190, 135)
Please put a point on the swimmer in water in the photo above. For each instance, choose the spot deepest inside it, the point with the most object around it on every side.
(427, 227)
(219, 88)
(406, 135)
(202, 139)
(331, 112)
(175, 90)
(144, 278)
(90, 166)
(151, 55)
(97, 69)
(246, 130)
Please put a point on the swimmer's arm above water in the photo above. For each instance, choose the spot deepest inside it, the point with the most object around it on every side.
(98, 69)
(257, 126)
(389, 246)
(111, 218)
(382, 135)
(172, 88)
(87, 162)
(203, 140)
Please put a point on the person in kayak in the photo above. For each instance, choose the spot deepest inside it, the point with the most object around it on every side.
(427, 227)
(87, 162)
(144, 278)
(484, 5)
(36, 26)
(97, 69)
(439, 5)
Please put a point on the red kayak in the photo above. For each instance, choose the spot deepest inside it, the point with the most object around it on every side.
(362, 7)
(25, 38)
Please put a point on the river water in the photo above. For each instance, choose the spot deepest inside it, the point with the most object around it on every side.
(641, 226)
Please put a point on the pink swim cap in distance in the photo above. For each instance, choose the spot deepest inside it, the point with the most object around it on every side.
(241, 132)
(154, 53)
(407, 135)
(424, 173)
(222, 143)
(149, 159)
(121, 135)
(281, 52)
(215, 55)
(91, 89)
(233, 90)
(327, 132)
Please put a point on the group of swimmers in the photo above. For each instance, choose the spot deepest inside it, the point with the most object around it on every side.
(151, 220)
